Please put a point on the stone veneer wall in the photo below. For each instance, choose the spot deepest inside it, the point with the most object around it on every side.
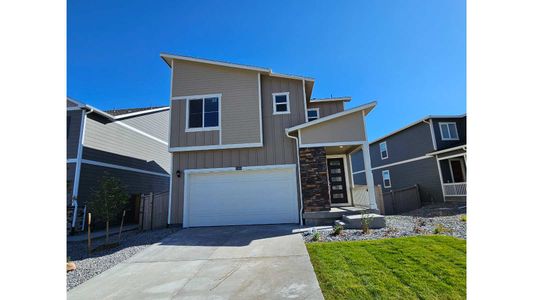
(314, 177)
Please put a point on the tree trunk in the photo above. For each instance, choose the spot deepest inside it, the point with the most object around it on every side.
(107, 232)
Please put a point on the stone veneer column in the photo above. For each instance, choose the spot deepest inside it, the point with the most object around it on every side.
(314, 177)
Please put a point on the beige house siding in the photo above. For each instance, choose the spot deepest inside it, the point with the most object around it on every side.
(239, 104)
(327, 108)
(278, 148)
(347, 128)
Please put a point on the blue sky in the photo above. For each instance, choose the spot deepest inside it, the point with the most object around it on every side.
(408, 55)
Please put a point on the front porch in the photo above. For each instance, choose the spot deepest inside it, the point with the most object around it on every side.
(452, 171)
(324, 148)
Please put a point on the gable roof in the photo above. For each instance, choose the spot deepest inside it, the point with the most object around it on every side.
(366, 108)
(416, 122)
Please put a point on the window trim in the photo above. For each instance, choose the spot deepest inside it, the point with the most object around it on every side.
(317, 113)
(449, 132)
(203, 97)
(274, 110)
(383, 176)
(386, 150)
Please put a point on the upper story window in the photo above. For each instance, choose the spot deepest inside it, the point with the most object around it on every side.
(203, 113)
(383, 150)
(448, 131)
(281, 104)
(313, 114)
(386, 179)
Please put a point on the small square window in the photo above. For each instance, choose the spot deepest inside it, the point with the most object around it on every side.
(312, 114)
(281, 103)
(448, 131)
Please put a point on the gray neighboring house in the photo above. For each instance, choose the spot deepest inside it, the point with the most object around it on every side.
(430, 152)
(130, 144)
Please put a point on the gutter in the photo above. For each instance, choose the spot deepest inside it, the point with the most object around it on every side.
(299, 179)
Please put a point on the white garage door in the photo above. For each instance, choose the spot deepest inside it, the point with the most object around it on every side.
(253, 195)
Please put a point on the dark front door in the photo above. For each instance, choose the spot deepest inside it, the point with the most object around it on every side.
(457, 170)
(337, 181)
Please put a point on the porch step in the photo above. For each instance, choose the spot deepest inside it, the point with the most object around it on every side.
(355, 221)
(328, 217)
(340, 223)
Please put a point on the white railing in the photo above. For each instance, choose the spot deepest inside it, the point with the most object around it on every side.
(454, 189)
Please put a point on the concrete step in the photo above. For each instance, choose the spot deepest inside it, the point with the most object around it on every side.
(355, 221)
(340, 223)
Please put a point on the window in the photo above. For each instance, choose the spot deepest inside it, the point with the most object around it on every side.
(383, 150)
(280, 103)
(312, 114)
(203, 113)
(448, 131)
(386, 179)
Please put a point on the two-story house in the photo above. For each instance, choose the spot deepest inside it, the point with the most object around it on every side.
(129, 144)
(430, 153)
(250, 146)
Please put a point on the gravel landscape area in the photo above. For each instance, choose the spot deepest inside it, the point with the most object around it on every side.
(432, 219)
(132, 242)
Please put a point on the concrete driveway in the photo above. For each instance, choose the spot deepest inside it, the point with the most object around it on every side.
(237, 262)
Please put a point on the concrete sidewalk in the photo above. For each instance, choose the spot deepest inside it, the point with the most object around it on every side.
(234, 262)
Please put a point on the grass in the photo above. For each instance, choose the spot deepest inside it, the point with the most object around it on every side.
(463, 218)
(422, 267)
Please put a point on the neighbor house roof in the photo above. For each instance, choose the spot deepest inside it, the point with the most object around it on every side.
(120, 113)
(416, 122)
(366, 108)
(344, 99)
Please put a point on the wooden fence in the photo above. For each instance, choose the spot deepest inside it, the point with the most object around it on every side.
(153, 211)
(400, 201)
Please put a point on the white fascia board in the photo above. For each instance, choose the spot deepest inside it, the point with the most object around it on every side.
(165, 56)
(333, 116)
(214, 147)
(148, 111)
(113, 166)
(318, 100)
(447, 150)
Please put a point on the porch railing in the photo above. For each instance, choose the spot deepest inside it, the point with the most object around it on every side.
(454, 189)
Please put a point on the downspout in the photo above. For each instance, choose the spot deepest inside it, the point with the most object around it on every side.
(430, 123)
(299, 179)
(79, 157)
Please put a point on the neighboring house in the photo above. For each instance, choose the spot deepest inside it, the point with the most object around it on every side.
(250, 146)
(430, 152)
(129, 144)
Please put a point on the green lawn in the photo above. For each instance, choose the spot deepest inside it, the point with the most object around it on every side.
(425, 267)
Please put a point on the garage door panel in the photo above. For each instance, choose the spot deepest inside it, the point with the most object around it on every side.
(242, 197)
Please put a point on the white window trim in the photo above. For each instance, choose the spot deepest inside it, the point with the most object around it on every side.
(188, 98)
(383, 175)
(274, 111)
(448, 126)
(317, 113)
(386, 150)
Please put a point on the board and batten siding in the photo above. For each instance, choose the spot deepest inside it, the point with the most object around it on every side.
(154, 124)
(346, 128)
(73, 132)
(113, 143)
(327, 108)
(239, 104)
(277, 148)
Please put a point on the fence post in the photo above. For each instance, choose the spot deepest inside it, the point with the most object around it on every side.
(152, 211)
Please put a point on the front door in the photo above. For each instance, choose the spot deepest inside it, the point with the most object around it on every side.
(337, 181)
(458, 170)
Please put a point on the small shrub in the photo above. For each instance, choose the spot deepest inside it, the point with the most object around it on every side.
(366, 220)
(337, 229)
(418, 229)
(440, 229)
(463, 218)
(316, 236)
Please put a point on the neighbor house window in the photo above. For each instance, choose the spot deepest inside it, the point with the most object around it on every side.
(448, 131)
(281, 103)
(203, 113)
(386, 178)
(312, 114)
(383, 150)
